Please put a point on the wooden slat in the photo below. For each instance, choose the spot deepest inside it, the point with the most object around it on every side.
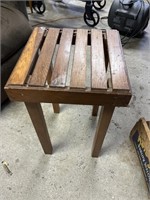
(78, 76)
(42, 67)
(24, 63)
(117, 63)
(99, 80)
(59, 74)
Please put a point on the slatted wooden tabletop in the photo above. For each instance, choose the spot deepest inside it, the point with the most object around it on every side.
(72, 60)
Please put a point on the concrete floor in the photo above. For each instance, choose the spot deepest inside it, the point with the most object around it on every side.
(70, 173)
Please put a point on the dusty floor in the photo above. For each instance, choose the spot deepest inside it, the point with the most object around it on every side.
(70, 173)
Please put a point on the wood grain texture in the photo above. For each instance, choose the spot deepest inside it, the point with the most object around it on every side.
(59, 74)
(37, 118)
(78, 92)
(78, 75)
(102, 126)
(99, 79)
(42, 66)
(67, 96)
(26, 59)
(117, 63)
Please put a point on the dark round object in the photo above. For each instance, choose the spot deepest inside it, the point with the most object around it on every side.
(93, 20)
(98, 5)
(39, 6)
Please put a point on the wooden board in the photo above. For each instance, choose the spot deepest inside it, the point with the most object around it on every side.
(42, 66)
(52, 95)
(59, 74)
(140, 136)
(78, 75)
(116, 60)
(99, 79)
(26, 59)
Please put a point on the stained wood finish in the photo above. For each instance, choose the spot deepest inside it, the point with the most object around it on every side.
(37, 118)
(67, 96)
(56, 107)
(27, 57)
(95, 110)
(106, 89)
(99, 79)
(42, 66)
(117, 63)
(78, 76)
(102, 126)
(59, 74)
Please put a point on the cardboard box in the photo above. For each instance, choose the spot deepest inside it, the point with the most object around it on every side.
(140, 136)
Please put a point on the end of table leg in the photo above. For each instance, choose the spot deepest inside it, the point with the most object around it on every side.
(48, 150)
(95, 154)
(96, 148)
(102, 126)
(56, 108)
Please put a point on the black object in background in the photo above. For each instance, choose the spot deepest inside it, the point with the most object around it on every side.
(129, 17)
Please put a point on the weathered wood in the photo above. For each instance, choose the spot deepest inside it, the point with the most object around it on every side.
(117, 63)
(105, 49)
(42, 66)
(56, 107)
(37, 118)
(24, 64)
(49, 75)
(99, 79)
(78, 76)
(59, 74)
(102, 126)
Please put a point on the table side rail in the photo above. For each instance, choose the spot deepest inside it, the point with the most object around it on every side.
(66, 96)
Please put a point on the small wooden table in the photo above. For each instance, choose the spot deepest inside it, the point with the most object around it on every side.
(71, 66)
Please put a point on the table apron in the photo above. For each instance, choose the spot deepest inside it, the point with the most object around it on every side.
(68, 97)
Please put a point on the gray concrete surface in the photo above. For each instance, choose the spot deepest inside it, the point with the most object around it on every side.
(70, 173)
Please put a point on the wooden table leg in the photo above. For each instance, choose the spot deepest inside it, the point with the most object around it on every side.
(37, 118)
(56, 107)
(95, 110)
(102, 126)
(30, 5)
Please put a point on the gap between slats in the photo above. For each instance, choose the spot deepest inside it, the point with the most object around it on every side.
(28, 58)
(42, 68)
(87, 64)
(60, 70)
